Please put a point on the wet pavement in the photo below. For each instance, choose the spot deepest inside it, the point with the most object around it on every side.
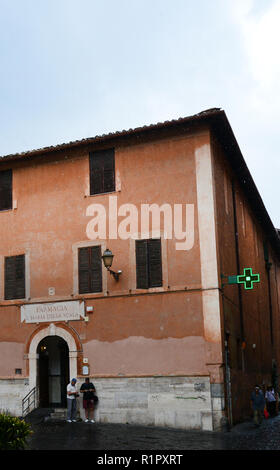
(60, 435)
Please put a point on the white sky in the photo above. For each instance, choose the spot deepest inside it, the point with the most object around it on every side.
(72, 69)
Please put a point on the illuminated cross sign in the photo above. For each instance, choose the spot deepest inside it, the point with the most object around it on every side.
(248, 278)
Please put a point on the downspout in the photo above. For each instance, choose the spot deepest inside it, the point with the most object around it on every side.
(227, 369)
(226, 335)
(267, 268)
(268, 264)
(236, 237)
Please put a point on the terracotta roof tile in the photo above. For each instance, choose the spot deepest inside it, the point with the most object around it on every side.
(97, 138)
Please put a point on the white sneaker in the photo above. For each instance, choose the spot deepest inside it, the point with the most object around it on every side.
(92, 421)
(69, 421)
(74, 420)
(86, 420)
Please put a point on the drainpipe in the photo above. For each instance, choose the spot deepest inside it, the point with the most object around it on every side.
(267, 268)
(227, 370)
(236, 236)
(268, 264)
(226, 335)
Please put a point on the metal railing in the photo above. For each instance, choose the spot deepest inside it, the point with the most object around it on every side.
(29, 402)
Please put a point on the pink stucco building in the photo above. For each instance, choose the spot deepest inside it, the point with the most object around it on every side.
(169, 342)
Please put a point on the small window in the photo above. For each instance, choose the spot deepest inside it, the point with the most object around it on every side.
(18, 371)
(15, 277)
(148, 263)
(6, 199)
(90, 270)
(102, 171)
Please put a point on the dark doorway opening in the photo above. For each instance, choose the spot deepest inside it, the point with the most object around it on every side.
(53, 371)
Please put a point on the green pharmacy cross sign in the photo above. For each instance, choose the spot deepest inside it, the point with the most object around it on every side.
(247, 278)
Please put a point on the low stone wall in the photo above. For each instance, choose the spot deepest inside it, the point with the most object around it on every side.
(12, 391)
(178, 402)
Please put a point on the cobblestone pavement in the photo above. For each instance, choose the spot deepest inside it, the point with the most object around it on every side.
(61, 435)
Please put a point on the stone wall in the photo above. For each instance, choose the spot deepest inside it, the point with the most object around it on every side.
(178, 402)
(12, 391)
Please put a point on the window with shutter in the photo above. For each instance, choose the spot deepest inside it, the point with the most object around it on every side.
(15, 277)
(148, 263)
(154, 258)
(90, 270)
(6, 199)
(102, 171)
(142, 278)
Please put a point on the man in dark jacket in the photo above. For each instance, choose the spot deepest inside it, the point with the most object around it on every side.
(258, 404)
(89, 399)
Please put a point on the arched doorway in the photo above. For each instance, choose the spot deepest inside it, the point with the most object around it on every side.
(52, 330)
(53, 371)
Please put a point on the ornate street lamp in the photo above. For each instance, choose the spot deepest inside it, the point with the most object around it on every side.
(108, 260)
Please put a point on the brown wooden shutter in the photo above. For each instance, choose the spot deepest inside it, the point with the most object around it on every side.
(90, 270)
(15, 277)
(96, 173)
(155, 265)
(142, 277)
(102, 171)
(109, 171)
(84, 279)
(148, 263)
(96, 269)
(6, 199)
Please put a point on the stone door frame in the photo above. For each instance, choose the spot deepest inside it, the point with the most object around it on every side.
(33, 356)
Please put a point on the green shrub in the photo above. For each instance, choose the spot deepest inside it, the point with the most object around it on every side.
(13, 432)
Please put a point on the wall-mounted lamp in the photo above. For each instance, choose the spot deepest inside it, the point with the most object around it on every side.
(108, 260)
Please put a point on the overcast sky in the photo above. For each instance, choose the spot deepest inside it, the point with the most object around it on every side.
(72, 69)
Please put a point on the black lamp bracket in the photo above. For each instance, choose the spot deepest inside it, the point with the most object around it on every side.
(115, 274)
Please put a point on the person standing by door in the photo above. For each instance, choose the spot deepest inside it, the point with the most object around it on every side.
(72, 394)
(89, 399)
